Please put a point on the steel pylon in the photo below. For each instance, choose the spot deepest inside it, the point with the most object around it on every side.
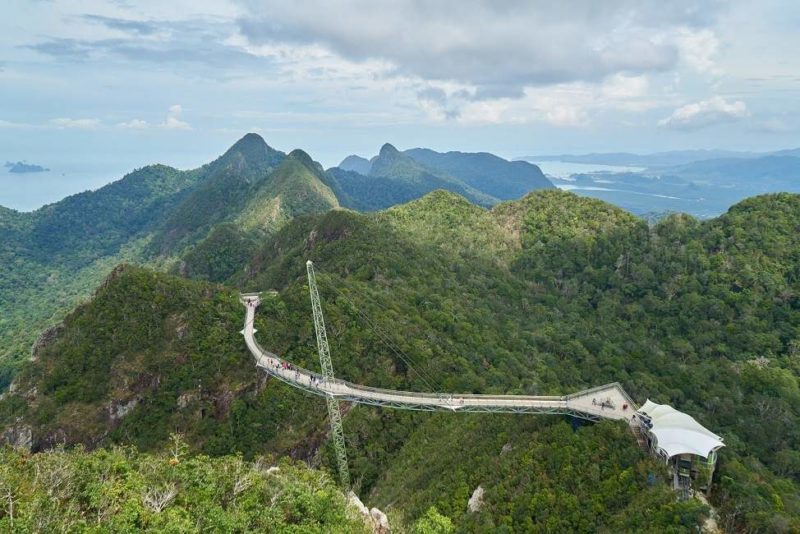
(334, 413)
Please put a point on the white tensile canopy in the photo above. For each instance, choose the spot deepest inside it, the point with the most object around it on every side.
(679, 433)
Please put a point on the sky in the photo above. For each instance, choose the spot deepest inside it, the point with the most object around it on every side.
(94, 89)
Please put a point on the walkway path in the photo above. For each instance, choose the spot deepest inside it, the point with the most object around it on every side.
(604, 402)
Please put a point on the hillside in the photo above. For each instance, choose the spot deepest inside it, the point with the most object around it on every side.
(505, 180)
(156, 216)
(230, 182)
(56, 255)
(538, 296)
(395, 178)
(121, 490)
(356, 164)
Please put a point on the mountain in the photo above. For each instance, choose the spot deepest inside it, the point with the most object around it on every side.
(506, 180)
(22, 167)
(396, 178)
(230, 181)
(481, 177)
(156, 216)
(56, 255)
(356, 164)
(763, 174)
(542, 295)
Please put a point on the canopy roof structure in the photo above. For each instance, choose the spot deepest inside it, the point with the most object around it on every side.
(677, 432)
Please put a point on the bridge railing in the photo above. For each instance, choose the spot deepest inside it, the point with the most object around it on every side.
(400, 393)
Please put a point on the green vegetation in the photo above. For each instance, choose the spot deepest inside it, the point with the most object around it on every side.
(54, 257)
(121, 490)
(540, 475)
(229, 183)
(544, 295)
(506, 180)
(395, 178)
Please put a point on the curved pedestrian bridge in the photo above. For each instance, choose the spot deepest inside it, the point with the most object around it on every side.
(603, 402)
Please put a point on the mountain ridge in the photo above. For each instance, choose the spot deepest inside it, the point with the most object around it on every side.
(584, 292)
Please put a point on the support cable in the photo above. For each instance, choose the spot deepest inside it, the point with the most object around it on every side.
(424, 375)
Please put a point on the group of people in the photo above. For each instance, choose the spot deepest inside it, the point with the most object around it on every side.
(277, 363)
(313, 380)
(604, 404)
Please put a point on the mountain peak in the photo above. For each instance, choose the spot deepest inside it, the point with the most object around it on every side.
(301, 156)
(356, 164)
(251, 150)
(388, 150)
(250, 141)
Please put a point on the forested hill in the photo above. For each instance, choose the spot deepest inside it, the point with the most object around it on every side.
(486, 172)
(543, 295)
(53, 257)
(394, 177)
(174, 220)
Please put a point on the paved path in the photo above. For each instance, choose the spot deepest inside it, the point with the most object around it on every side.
(605, 402)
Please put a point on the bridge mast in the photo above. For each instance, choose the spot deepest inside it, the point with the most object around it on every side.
(327, 371)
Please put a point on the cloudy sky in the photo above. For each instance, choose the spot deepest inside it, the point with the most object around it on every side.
(110, 85)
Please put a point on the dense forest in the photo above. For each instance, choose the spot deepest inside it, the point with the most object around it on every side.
(542, 295)
(168, 220)
(121, 490)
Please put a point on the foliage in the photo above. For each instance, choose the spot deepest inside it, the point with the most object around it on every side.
(505, 180)
(395, 178)
(541, 296)
(122, 490)
(230, 182)
(54, 257)
(220, 255)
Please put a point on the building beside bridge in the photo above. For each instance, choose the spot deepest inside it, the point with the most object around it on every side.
(687, 447)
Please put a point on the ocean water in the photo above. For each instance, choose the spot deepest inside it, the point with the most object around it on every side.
(563, 170)
(29, 191)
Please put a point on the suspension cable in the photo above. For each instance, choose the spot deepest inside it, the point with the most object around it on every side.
(424, 375)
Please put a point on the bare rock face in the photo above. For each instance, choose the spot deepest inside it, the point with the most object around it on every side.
(19, 436)
(377, 519)
(353, 499)
(476, 501)
(118, 410)
(380, 523)
(187, 398)
(45, 339)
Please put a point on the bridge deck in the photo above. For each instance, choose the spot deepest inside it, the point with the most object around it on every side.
(605, 402)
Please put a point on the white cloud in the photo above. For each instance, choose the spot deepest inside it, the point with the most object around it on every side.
(699, 49)
(134, 124)
(499, 48)
(9, 124)
(173, 120)
(623, 86)
(705, 113)
(65, 122)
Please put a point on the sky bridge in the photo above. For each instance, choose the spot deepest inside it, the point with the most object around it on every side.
(609, 401)
(668, 437)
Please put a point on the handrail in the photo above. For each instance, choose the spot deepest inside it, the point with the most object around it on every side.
(577, 403)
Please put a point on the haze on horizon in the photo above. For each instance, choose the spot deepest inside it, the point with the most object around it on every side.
(97, 88)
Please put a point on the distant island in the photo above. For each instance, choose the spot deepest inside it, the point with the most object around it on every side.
(21, 167)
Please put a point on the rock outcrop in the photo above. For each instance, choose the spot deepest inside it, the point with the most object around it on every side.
(19, 436)
(476, 501)
(377, 519)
